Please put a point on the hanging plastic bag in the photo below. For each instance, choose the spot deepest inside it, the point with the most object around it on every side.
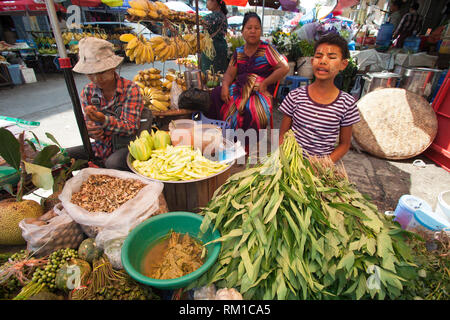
(106, 226)
(52, 231)
(356, 90)
(175, 93)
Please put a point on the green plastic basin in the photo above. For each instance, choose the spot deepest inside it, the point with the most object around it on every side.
(143, 237)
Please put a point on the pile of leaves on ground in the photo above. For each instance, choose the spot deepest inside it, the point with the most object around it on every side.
(296, 228)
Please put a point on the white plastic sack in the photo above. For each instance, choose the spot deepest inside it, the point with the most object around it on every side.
(60, 232)
(205, 293)
(113, 250)
(122, 220)
(175, 93)
(228, 294)
(210, 293)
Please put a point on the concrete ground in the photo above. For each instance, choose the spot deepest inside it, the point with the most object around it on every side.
(384, 181)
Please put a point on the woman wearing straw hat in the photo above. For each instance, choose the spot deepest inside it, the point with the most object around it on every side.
(112, 105)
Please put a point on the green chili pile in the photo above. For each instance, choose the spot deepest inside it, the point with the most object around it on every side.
(294, 228)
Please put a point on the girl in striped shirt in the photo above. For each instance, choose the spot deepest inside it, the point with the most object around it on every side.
(320, 112)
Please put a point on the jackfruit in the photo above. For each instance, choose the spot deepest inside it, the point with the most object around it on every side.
(11, 213)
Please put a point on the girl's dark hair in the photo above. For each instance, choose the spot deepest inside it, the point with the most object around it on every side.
(335, 39)
(249, 15)
(223, 6)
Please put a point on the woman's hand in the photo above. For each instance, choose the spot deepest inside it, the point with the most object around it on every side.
(94, 131)
(262, 88)
(225, 93)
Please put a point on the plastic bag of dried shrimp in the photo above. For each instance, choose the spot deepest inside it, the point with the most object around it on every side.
(109, 203)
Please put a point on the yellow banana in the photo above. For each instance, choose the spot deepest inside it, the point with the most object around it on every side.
(159, 105)
(132, 43)
(170, 77)
(126, 37)
(137, 12)
(164, 53)
(154, 70)
(153, 13)
(139, 5)
(156, 40)
(160, 97)
(137, 51)
(151, 55)
(157, 48)
(140, 84)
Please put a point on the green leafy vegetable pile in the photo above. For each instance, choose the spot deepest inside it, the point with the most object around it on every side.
(294, 228)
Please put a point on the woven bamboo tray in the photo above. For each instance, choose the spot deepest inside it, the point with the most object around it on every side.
(395, 124)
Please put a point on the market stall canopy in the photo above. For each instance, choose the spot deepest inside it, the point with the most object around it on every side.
(342, 4)
(178, 6)
(27, 5)
(87, 3)
(275, 4)
(117, 5)
(238, 3)
(289, 5)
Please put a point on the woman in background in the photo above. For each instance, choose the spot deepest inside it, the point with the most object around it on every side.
(245, 97)
(216, 23)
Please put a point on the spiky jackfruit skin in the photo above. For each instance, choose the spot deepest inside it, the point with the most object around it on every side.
(11, 213)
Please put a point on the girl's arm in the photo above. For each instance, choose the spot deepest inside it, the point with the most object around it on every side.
(345, 140)
(286, 123)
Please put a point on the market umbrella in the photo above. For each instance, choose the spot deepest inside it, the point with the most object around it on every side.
(178, 6)
(238, 3)
(342, 4)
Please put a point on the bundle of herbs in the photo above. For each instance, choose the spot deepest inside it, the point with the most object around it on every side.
(432, 256)
(16, 272)
(105, 283)
(294, 228)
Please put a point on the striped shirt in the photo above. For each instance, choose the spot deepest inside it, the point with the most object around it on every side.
(316, 126)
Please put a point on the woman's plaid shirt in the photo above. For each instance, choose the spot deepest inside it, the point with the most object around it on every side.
(129, 98)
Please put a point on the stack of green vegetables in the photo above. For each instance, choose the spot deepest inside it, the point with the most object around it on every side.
(298, 229)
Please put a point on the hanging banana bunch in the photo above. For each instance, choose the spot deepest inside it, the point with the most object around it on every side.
(144, 8)
(138, 48)
(207, 45)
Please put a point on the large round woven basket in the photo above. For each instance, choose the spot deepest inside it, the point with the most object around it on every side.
(395, 124)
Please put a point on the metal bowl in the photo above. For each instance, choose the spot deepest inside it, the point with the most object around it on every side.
(130, 160)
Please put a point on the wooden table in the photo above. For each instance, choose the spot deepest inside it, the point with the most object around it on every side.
(163, 118)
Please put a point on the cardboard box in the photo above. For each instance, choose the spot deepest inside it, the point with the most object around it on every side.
(28, 75)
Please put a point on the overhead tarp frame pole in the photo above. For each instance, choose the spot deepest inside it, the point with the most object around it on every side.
(197, 21)
(66, 66)
(262, 20)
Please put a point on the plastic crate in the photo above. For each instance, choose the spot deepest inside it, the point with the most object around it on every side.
(199, 116)
(15, 73)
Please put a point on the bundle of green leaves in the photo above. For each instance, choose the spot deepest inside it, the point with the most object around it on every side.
(432, 256)
(294, 228)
